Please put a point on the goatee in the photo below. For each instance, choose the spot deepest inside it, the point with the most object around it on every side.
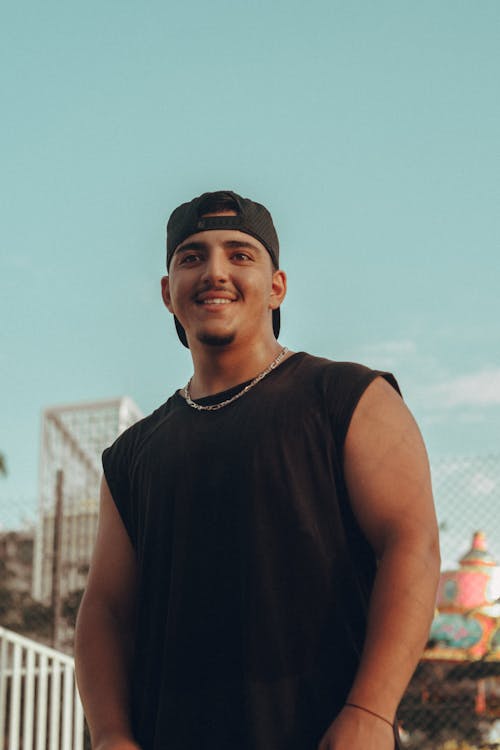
(214, 340)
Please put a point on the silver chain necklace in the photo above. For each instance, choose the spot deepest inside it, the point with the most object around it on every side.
(214, 407)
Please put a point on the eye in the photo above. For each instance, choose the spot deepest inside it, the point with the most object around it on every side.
(241, 256)
(189, 258)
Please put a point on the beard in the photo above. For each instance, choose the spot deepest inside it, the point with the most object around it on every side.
(213, 340)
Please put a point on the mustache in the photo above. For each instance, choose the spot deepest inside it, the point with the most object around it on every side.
(208, 287)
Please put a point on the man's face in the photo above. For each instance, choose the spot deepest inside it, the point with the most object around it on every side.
(221, 286)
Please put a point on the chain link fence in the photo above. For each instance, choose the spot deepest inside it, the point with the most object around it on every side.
(453, 701)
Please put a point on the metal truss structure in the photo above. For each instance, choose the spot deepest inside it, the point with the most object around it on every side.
(73, 438)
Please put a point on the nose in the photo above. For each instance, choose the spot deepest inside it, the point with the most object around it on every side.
(215, 269)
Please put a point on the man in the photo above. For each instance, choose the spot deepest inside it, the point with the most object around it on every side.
(267, 555)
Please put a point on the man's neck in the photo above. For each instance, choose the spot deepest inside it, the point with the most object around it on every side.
(217, 369)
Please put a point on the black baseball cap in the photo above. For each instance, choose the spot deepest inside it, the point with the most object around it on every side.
(250, 217)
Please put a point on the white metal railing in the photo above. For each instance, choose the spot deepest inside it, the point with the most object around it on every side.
(40, 708)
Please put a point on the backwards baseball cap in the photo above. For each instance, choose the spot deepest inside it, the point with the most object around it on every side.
(249, 217)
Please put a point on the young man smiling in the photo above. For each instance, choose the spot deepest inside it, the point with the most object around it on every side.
(223, 287)
(267, 557)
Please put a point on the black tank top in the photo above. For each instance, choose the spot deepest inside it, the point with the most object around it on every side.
(254, 576)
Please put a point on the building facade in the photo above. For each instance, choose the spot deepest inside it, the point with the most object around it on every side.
(73, 438)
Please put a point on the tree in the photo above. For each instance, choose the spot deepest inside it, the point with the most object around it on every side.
(70, 606)
(6, 597)
(36, 618)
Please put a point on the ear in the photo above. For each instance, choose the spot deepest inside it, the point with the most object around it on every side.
(278, 289)
(165, 293)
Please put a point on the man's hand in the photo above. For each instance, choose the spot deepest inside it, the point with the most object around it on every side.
(356, 730)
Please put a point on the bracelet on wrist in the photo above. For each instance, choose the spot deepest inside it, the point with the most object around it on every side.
(369, 711)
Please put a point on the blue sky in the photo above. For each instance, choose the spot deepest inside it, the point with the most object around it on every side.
(370, 130)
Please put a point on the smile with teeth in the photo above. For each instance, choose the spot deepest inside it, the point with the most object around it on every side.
(216, 301)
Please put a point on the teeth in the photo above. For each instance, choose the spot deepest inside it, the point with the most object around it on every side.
(217, 301)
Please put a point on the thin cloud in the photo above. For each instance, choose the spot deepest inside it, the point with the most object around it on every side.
(388, 354)
(480, 388)
(396, 347)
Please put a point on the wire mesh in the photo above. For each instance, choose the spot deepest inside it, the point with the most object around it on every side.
(453, 700)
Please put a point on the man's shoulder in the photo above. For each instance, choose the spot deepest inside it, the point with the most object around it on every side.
(132, 438)
(334, 368)
(339, 379)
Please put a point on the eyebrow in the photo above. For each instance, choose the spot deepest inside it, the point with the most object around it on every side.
(190, 246)
(227, 244)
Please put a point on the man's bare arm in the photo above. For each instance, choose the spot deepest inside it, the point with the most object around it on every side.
(104, 632)
(388, 479)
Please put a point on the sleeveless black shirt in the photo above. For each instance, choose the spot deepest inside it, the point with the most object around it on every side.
(254, 576)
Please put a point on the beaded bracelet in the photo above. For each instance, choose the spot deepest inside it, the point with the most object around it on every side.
(369, 711)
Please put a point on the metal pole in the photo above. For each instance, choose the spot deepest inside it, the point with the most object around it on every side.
(56, 559)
